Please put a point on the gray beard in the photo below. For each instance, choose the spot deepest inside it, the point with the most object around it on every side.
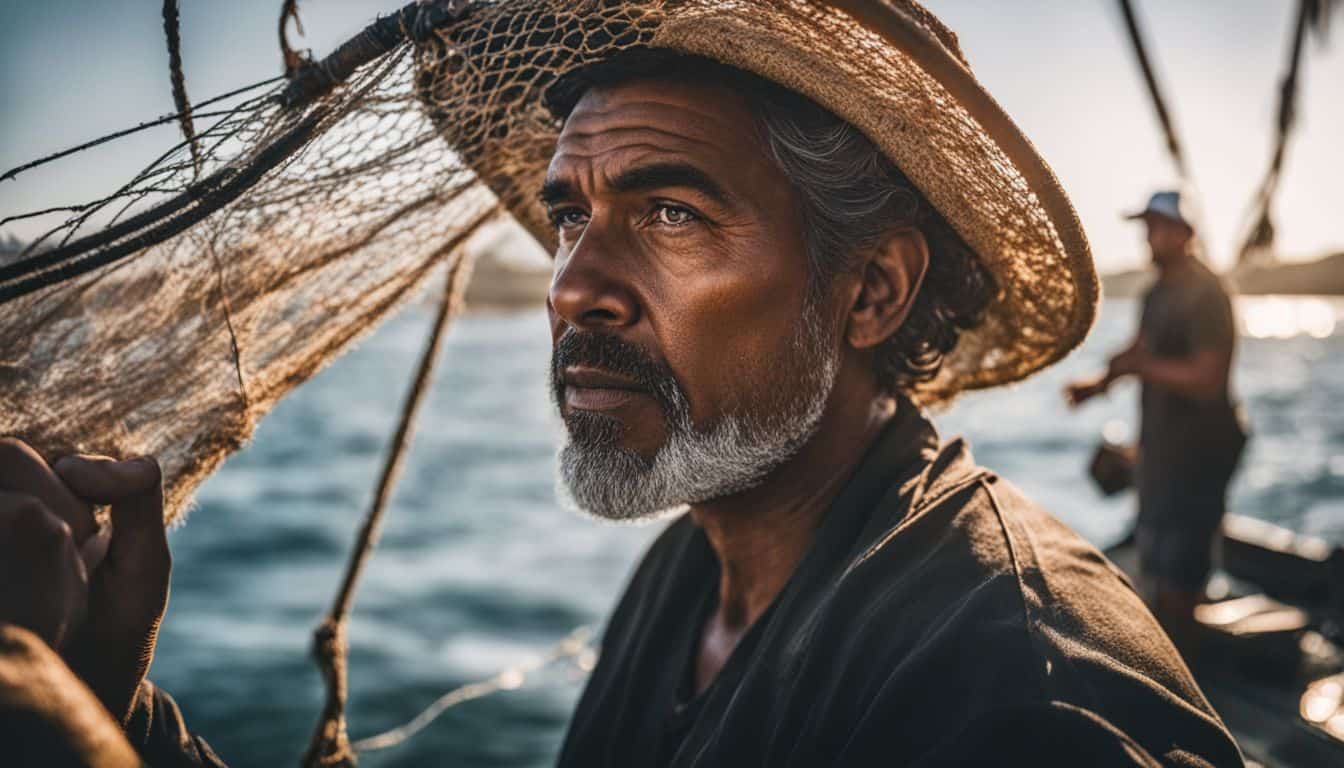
(610, 482)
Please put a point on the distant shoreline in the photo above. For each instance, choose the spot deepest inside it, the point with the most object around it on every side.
(499, 285)
(1323, 277)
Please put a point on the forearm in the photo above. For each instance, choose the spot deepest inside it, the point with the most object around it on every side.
(1115, 368)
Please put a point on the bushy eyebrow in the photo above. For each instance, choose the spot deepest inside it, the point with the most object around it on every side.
(645, 178)
(555, 190)
(662, 175)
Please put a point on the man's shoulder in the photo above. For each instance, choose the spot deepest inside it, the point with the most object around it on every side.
(979, 533)
(982, 533)
(981, 559)
(995, 587)
(967, 518)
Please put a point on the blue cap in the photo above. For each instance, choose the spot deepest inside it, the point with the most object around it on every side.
(1166, 204)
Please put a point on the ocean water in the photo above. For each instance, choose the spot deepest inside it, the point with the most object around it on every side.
(479, 570)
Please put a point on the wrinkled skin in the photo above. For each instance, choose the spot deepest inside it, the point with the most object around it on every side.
(101, 611)
(708, 281)
(677, 233)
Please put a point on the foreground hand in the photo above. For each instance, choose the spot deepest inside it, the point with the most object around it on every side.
(129, 591)
(42, 527)
(22, 470)
(43, 584)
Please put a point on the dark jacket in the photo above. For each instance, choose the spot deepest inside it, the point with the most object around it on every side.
(940, 617)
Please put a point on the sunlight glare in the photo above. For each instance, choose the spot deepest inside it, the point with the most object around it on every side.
(1284, 317)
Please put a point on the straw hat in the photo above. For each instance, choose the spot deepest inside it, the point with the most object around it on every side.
(889, 67)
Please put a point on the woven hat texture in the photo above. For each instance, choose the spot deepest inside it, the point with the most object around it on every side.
(889, 68)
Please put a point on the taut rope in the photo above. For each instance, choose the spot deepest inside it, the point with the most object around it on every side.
(172, 31)
(1260, 238)
(1155, 91)
(330, 744)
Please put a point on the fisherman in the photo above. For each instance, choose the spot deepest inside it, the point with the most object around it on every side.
(777, 229)
(1190, 436)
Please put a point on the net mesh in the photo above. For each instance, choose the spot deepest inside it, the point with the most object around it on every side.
(178, 349)
(219, 287)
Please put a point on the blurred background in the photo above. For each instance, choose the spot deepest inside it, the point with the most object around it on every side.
(479, 570)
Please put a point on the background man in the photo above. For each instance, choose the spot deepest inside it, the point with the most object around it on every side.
(1190, 437)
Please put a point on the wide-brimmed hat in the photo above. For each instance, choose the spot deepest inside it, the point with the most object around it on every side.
(890, 68)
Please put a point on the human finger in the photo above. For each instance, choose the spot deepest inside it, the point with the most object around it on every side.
(129, 592)
(22, 470)
(138, 547)
(43, 584)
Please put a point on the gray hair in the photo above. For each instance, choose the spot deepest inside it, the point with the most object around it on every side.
(851, 201)
(853, 196)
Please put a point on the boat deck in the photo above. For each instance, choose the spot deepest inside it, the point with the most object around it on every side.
(1259, 654)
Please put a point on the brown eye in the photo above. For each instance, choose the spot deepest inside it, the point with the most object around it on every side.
(673, 215)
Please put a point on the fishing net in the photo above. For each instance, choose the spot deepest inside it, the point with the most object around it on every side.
(169, 316)
(210, 309)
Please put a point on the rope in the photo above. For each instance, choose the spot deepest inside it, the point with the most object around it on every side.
(330, 744)
(289, 9)
(172, 31)
(1165, 119)
(574, 646)
(1154, 91)
(15, 171)
(309, 80)
(205, 196)
(1260, 238)
(164, 220)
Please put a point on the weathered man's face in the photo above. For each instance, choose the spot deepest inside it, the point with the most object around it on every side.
(688, 361)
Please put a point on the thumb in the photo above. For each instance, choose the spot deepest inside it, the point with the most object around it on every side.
(134, 489)
(129, 591)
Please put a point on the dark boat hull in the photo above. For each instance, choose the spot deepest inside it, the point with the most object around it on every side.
(1266, 640)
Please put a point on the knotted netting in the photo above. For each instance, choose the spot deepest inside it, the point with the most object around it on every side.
(169, 316)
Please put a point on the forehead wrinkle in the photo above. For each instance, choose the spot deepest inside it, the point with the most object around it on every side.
(610, 108)
(589, 143)
(603, 115)
(613, 131)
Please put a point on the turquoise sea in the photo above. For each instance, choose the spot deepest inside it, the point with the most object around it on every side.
(479, 570)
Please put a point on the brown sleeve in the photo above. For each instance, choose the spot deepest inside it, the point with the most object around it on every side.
(47, 715)
(158, 732)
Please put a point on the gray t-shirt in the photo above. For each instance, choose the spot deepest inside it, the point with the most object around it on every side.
(1181, 436)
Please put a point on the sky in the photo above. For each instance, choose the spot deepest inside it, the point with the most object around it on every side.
(77, 69)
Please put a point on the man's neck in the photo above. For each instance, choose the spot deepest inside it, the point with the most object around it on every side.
(1178, 267)
(761, 535)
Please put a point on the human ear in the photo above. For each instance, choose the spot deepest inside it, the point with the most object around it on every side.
(891, 276)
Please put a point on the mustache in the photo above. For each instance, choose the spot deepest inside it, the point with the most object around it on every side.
(612, 354)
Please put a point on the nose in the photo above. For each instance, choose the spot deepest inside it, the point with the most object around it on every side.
(590, 289)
